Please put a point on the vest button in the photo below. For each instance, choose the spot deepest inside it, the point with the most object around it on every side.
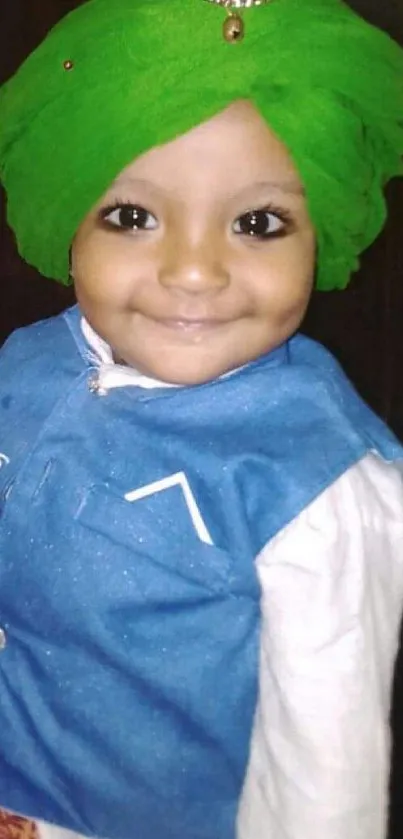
(94, 386)
(3, 639)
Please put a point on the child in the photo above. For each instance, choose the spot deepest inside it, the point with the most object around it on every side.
(201, 538)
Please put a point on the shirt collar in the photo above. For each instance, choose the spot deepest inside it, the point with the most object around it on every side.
(110, 373)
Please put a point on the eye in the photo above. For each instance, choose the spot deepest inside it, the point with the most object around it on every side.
(129, 217)
(261, 224)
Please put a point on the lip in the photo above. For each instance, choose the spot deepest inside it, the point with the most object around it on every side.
(189, 325)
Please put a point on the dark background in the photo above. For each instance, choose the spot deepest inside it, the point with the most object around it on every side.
(362, 325)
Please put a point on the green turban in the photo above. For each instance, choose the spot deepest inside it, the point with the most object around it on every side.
(141, 72)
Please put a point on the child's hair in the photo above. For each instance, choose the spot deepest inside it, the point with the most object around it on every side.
(115, 78)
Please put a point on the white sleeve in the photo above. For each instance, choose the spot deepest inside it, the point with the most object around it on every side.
(332, 594)
(46, 830)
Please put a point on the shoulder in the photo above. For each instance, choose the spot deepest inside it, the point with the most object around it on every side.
(42, 352)
(38, 366)
(335, 399)
(37, 363)
(45, 337)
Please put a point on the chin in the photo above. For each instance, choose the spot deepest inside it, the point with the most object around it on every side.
(189, 377)
(184, 366)
(188, 380)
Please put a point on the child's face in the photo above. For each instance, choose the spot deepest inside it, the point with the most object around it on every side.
(200, 257)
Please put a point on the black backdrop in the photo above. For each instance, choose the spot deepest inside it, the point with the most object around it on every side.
(362, 325)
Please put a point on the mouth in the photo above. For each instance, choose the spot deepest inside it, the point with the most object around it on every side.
(191, 325)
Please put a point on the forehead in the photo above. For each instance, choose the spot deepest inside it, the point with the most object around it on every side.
(236, 146)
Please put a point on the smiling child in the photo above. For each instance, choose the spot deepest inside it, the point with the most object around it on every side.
(201, 532)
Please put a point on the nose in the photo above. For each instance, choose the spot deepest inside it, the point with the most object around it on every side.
(198, 268)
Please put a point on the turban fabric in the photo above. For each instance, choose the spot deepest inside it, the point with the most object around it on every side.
(142, 72)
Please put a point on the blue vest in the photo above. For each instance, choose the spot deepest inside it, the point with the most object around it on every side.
(129, 526)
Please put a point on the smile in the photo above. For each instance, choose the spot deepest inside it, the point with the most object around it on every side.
(191, 326)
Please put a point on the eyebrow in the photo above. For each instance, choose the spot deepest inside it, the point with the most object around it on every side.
(289, 187)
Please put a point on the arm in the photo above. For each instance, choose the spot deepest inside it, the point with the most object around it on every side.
(332, 593)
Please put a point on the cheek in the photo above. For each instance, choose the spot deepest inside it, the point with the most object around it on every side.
(295, 306)
(286, 311)
(286, 281)
(101, 269)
